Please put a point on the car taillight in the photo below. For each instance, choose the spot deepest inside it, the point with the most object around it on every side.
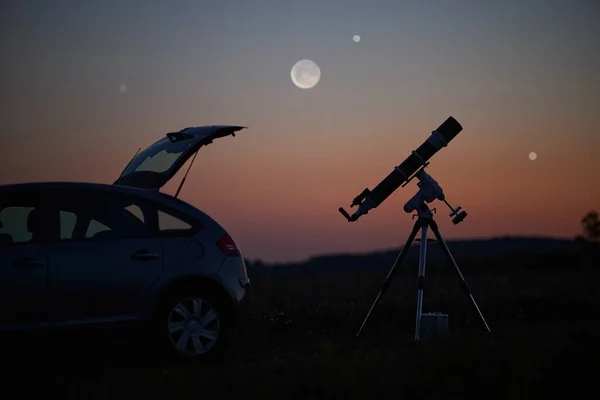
(228, 246)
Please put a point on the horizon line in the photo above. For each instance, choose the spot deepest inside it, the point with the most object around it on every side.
(384, 250)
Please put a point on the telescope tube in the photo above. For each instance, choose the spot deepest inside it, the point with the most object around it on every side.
(438, 139)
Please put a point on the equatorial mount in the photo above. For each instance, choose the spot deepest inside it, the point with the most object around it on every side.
(430, 190)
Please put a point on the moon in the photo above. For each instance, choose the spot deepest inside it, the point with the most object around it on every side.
(305, 74)
(532, 156)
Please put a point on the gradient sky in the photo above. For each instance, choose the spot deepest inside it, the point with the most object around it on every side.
(520, 76)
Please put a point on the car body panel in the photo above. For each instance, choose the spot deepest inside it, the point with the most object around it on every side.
(100, 279)
(111, 287)
(24, 291)
(233, 277)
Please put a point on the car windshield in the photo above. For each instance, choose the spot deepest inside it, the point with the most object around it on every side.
(161, 156)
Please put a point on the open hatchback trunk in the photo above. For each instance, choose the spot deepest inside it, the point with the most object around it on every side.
(156, 165)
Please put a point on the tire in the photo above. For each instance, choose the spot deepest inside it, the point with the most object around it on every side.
(193, 325)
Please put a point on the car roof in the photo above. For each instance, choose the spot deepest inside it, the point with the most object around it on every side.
(27, 186)
(149, 194)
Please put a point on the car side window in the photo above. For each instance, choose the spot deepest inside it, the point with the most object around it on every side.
(168, 222)
(67, 224)
(13, 222)
(22, 218)
(95, 229)
(100, 215)
(174, 224)
(135, 211)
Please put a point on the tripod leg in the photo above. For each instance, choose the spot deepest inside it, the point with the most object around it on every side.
(421, 283)
(464, 284)
(386, 283)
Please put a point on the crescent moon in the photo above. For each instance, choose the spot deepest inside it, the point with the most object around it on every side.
(305, 74)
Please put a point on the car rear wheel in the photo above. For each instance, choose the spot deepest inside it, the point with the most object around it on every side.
(193, 326)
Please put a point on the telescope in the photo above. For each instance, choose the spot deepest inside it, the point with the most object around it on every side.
(429, 190)
(411, 167)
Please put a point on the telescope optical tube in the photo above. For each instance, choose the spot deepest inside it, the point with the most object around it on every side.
(438, 139)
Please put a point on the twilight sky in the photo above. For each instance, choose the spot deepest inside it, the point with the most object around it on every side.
(520, 76)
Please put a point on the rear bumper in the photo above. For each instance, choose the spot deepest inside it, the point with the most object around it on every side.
(240, 311)
(245, 282)
(233, 277)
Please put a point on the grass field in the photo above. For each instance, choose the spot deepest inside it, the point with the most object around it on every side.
(298, 342)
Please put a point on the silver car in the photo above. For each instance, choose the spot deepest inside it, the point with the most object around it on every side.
(86, 253)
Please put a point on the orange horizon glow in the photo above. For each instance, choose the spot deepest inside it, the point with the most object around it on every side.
(283, 207)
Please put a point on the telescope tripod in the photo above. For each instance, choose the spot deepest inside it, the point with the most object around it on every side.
(424, 221)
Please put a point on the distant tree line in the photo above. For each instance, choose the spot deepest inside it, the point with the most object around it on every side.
(591, 228)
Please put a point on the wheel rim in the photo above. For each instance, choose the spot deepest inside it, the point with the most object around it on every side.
(193, 326)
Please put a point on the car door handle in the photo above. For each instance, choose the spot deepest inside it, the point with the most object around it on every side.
(28, 263)
(143, 255)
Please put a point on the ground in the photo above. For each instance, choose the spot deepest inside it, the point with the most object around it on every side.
(298, 341)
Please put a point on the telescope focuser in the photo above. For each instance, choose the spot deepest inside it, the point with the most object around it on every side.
(358, 201)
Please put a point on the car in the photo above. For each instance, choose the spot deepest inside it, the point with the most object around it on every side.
(80, 254)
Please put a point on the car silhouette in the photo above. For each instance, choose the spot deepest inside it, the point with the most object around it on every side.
(75, 254)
